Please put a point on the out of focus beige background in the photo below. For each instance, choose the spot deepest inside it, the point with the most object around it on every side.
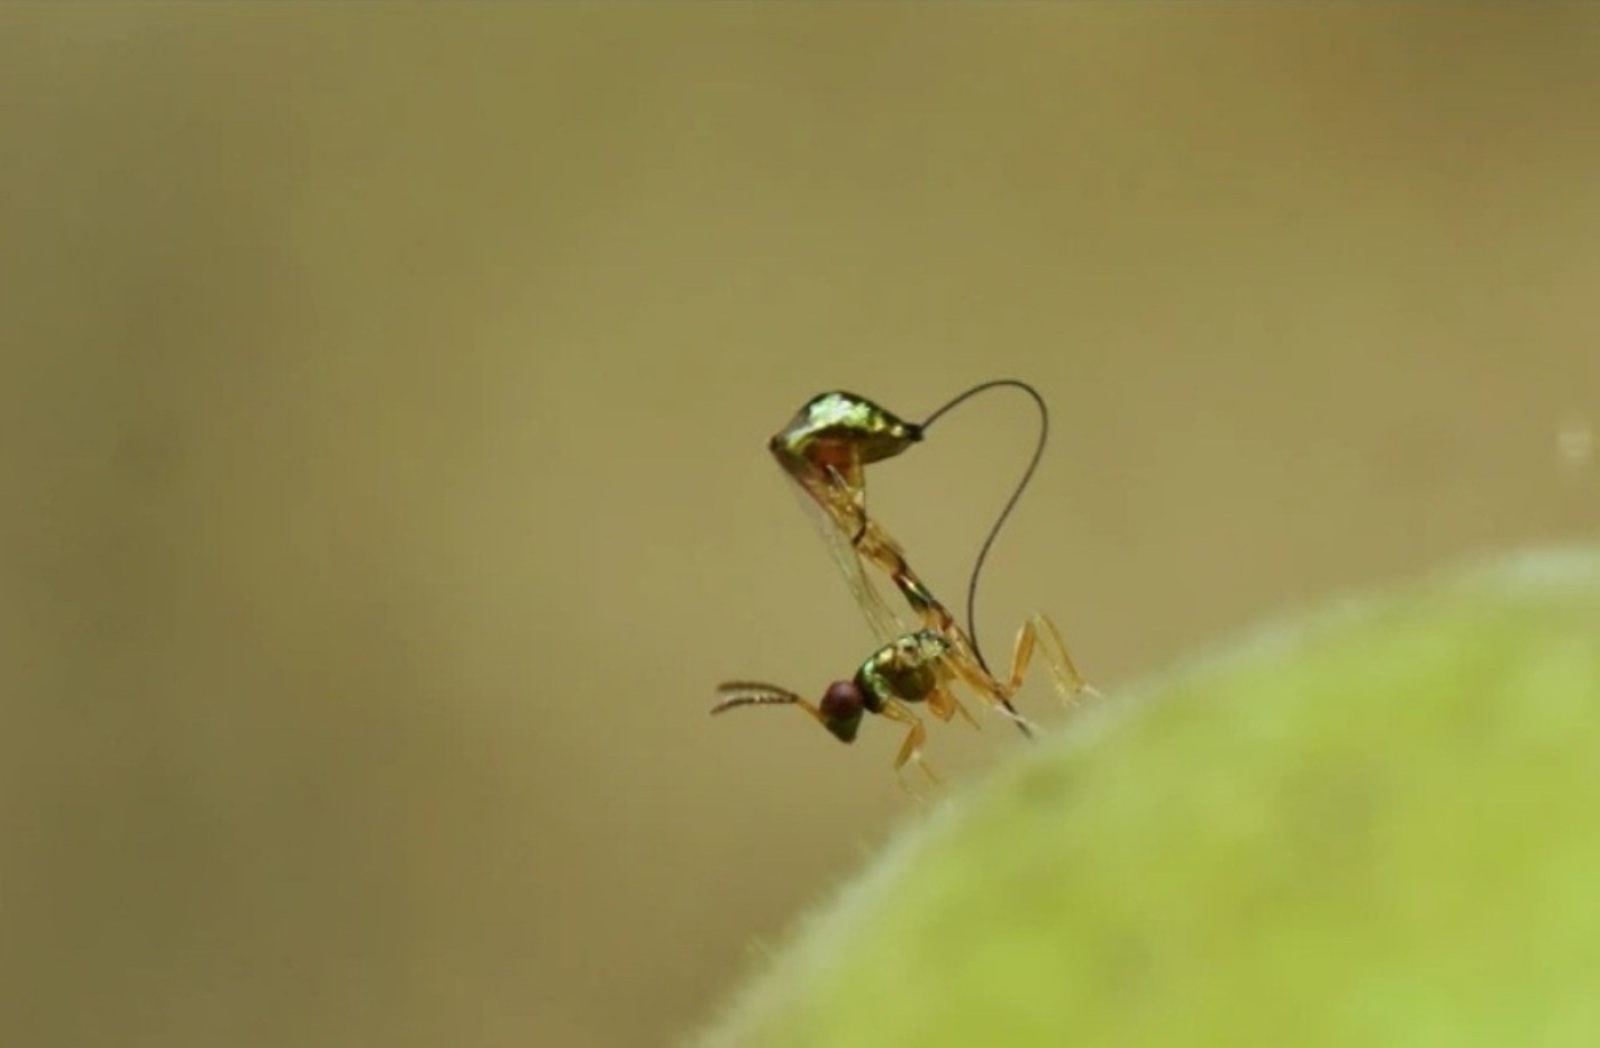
(384, 392)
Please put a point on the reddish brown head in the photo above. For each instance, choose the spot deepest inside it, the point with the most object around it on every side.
(842, 705)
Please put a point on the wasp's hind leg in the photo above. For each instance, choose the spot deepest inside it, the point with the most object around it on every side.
(1039, 631)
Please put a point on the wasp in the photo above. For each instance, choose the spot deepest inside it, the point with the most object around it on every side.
(825, 450)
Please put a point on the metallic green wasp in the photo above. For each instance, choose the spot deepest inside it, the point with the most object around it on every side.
(825, 450)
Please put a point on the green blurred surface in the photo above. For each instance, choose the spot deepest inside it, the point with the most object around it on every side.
(1374, 827)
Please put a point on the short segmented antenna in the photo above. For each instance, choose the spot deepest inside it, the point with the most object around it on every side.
(738, 693)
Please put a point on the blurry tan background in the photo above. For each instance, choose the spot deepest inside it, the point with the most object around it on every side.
(384, 396)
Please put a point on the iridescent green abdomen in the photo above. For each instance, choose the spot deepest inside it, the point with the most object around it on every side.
(837, 426)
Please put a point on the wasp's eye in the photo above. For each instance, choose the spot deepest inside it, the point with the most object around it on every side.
(842, 706)
(842, 700)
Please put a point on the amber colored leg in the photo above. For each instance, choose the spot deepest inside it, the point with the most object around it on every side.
(911, 749)
(942, 703)
(1069, 682)
(973, 676)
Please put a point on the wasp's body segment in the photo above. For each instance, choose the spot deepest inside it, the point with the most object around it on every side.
(914, 668)
(824, 449)
(910, 668)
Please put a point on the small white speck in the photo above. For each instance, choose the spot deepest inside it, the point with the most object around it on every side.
(1575, 443)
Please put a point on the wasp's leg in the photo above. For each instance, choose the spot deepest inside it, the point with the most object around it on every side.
(911, 749)
(942, 703)
(1069, 681)
(968, 670)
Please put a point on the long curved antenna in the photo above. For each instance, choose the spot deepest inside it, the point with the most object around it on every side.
(1011, 503)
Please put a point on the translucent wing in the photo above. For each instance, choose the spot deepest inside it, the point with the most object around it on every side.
(823, 450)
(885, 624)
